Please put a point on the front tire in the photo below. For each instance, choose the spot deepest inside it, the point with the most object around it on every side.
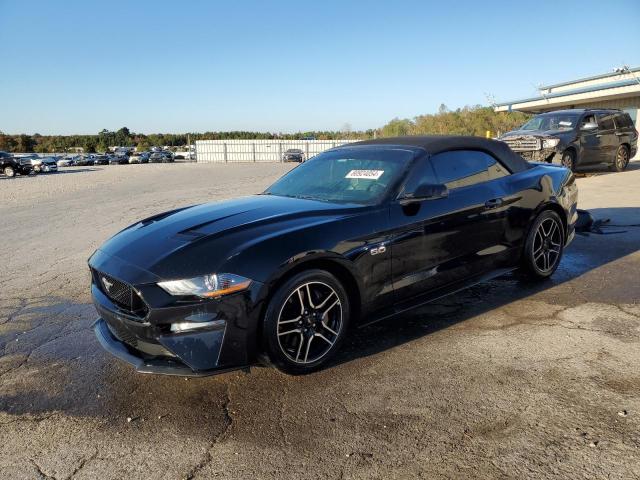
(569, 160)
(544, 246)
(9, 172)
(306, 322)
(622, 159)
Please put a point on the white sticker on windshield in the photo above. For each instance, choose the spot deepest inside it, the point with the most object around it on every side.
(367, 174)
(565, 123)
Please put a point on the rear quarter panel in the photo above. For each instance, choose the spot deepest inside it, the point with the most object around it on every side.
(540, 187)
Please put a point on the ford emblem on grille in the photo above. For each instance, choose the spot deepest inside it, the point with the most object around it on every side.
(107, 284)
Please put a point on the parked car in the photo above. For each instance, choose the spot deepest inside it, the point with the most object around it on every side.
(118, 160)
(46, 165)
(293, 155)
(86, 160)
(101, 160)
(11, 166)
(38, 164)
(68, 161)
(352, 236)
(161, 157)
(578, 138)
(142, 157)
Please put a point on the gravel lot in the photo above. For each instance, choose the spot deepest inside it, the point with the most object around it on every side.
(506, 380)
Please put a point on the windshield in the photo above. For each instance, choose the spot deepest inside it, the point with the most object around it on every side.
(564, 121)
(348, 175)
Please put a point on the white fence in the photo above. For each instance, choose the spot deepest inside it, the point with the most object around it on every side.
(234, 151)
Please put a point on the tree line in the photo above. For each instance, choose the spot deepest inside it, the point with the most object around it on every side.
(474, 120)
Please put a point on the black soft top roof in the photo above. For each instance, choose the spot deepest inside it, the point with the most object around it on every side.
(433, 144)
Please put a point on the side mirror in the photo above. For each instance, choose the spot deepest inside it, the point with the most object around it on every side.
(589, 126)
(426, 191)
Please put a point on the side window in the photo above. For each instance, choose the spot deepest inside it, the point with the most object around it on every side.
(605, 121)
(421, 173)
(461, 168)
(587, 119)
(623, 120)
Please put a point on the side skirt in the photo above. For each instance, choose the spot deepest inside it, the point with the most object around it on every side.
(436, 294)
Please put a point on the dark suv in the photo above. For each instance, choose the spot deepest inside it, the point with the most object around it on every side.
(577, 138)
(10, 165)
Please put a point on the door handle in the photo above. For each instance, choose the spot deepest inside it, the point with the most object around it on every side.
(493, 203)
(619, 134)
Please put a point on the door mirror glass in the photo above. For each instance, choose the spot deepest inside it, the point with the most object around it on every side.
(589, 126)
(426, 191)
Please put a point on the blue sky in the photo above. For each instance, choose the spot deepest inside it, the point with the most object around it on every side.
(159, 66)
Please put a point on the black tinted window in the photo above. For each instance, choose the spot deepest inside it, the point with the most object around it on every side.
(623, 120)
(605, 121)
(461, 168)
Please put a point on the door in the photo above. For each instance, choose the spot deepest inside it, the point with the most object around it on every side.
(439, 241)
(608, 138)
(624, 128)
(590, 141)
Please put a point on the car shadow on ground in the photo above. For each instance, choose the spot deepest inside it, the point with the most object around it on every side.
(48, 174)
(78, 170)
(603, 170)
(587, 252)
(58, 366)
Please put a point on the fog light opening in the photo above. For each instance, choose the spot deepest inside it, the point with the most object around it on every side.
(190, 326)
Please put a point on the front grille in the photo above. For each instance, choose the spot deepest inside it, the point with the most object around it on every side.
(120, 293)
(522, 144)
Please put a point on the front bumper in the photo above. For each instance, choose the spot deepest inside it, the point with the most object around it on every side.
(162, 366)
(226, 339)
(221, 334)
(549, 155)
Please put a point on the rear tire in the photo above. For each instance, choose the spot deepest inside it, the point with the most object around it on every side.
(9, 172)
(544, 246)
(569, 160)
(306, 322)
(621, 160)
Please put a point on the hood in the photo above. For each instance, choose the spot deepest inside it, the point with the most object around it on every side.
(181, 241)
(536, 133)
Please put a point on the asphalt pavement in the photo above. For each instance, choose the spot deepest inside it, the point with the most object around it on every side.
(506, 380)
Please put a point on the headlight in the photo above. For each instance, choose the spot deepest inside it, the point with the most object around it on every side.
(550, 142)
(208, 286)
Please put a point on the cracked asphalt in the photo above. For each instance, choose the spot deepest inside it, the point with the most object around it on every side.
(506, 380)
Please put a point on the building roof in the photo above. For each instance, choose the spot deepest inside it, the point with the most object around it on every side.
(439, 143)
(579, 111)
(585, 79)
(565, 93)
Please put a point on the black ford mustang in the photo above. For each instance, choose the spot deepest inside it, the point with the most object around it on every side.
(352, 236)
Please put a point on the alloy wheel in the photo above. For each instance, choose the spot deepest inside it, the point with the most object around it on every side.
(622, 157)
(567, 160)
(547, 245)
(309, 322)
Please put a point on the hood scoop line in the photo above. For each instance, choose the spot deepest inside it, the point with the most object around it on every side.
(193, 231)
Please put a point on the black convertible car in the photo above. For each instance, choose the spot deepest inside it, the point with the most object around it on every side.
(354, 235)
